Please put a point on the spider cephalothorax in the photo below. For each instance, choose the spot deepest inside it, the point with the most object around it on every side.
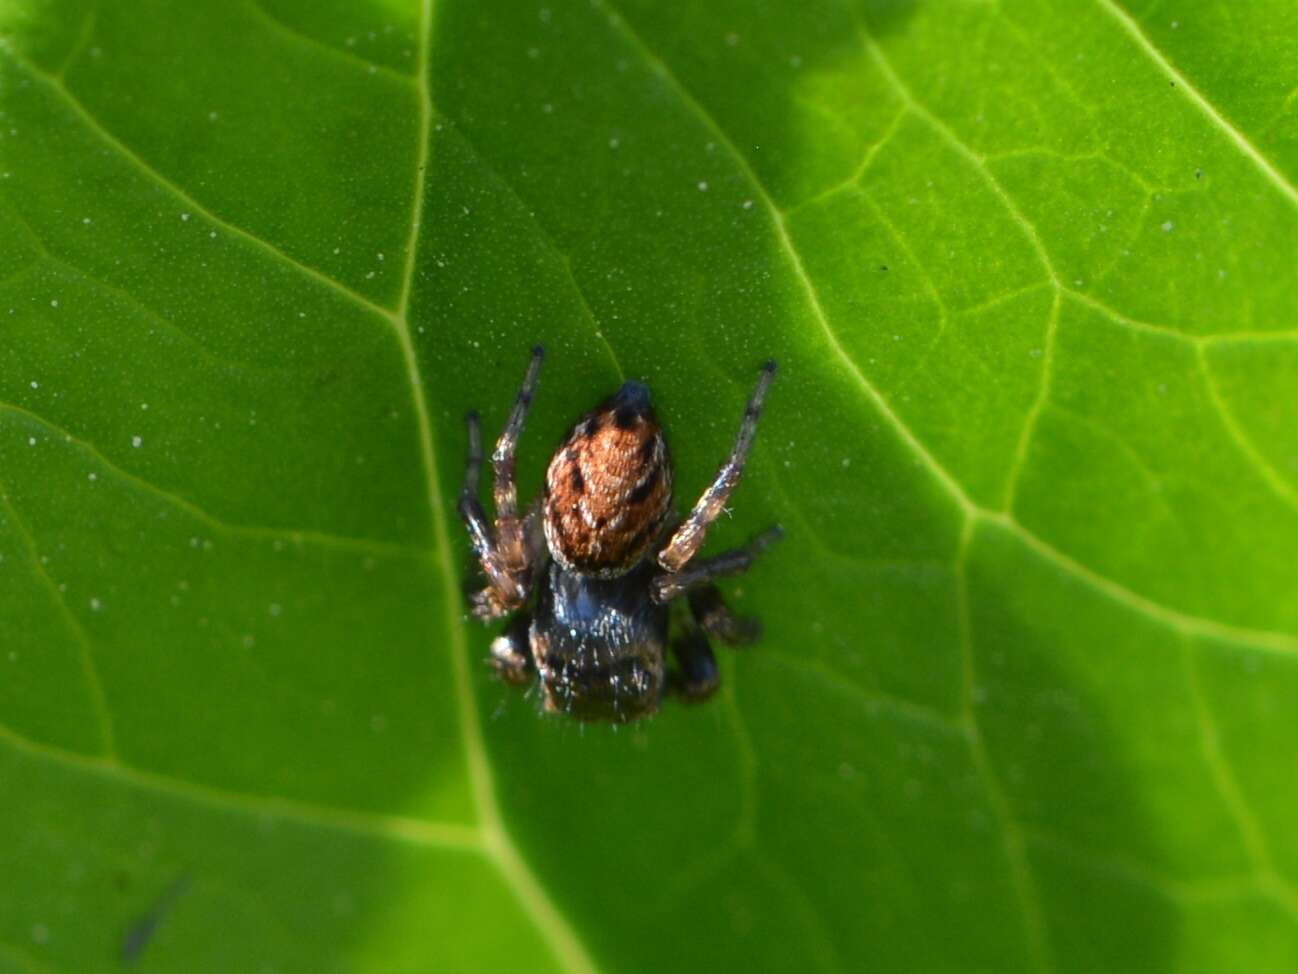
(608, 490)
(598, 629)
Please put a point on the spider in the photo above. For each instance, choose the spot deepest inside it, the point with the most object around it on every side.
(590, 572)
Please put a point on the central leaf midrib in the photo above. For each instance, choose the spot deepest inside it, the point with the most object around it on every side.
(498, 844)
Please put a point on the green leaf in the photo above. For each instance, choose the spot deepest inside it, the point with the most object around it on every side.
(1025, 699)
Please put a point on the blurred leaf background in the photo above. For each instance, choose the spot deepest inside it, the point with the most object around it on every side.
(1026, 698)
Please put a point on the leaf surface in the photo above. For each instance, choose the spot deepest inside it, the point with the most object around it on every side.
(1025, 696)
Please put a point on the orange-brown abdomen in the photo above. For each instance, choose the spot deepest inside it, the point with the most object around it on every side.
(608, 489)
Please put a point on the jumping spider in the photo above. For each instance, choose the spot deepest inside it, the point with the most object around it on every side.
(598, 631)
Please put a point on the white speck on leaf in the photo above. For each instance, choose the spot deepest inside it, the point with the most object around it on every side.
(1167, 227)
(137, 441)
(95, 605)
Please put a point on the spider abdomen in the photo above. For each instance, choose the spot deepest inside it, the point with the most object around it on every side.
(599, 644)
(608, 489)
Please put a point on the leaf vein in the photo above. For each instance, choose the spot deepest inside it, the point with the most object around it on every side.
(917, 715)
(362, 545)
(137, 162)
(1024, 445)
(49, 257)
(1128, 24)
(1021, 875)
(278, 26)
(867, 160)
(90, 672)
(1282, 488)
(1141, 876)
(548, 241)
(550, 923)
(1270, 879)
(442, 835)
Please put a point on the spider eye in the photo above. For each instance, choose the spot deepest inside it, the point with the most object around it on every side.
(630, 405)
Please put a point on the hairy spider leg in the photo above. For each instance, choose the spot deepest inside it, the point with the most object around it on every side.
(503, 591)
(685, 543)
(511, 652)
(696, 676)
(510, 535)
(672, 585)
(719, 621)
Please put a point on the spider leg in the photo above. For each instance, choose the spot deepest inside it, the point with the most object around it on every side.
(534, 536)
(696, 676)
(719, 621)
(689, 536)
(510, 536)
(668, 586)
(511, 651)
(504, 592)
